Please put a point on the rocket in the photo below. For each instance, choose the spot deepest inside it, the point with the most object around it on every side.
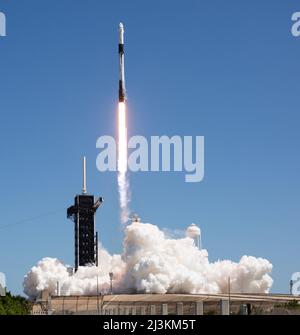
(122, 92)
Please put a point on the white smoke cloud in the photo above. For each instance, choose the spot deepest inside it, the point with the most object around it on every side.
(124, 195)
(153, 263)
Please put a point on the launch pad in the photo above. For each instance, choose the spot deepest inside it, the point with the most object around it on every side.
(169, 304)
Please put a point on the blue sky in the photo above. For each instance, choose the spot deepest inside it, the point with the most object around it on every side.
(226, 70)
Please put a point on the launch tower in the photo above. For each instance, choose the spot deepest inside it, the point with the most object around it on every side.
(82, 213)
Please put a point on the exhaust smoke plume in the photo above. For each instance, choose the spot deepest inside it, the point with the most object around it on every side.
(152, 263)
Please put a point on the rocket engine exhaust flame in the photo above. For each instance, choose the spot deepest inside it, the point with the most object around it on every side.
(122, 163)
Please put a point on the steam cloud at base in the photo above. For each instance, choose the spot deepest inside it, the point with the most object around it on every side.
(152, 263)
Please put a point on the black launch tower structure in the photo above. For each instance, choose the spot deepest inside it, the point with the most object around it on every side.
(82, 213)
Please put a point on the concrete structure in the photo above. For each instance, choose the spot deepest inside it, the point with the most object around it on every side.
(225, 307)
(2, 285)
(171, 304)
(164, 308)
(152, 310)
(199, 308)
(179, 308)
(243, 309)
(2, 291)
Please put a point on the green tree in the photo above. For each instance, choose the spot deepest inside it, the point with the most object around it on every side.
(14, 305)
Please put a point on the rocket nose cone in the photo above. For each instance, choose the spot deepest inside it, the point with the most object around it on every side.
(121, 25)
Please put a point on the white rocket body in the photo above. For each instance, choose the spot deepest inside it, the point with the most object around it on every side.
(122, 91)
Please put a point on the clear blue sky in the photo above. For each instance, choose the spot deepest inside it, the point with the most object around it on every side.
(227, 70)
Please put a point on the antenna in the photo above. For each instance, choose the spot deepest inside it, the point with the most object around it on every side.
(84, 176)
